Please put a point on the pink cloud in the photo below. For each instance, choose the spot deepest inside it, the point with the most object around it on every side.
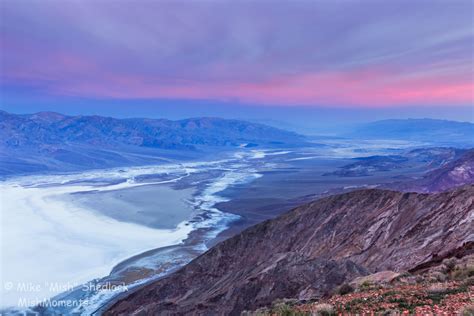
(342, 89)
(74, 75)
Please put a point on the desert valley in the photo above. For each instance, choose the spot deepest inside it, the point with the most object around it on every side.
(236, 158)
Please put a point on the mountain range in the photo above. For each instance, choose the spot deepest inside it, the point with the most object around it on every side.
(48, 141)
(49, 128)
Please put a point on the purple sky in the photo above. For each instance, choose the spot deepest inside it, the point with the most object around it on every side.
(321, 54)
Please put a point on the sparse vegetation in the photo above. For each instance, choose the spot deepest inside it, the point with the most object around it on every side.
(391, 312)
(438, 277)
(449, 265)
(346, 288)
(283, 307)
(437, 288)
(365, 286)
(402, 296)
(467, 310)
(469, 281)
(323, 310)
(462, 273)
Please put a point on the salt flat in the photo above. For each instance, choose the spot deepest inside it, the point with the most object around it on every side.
(47, 240)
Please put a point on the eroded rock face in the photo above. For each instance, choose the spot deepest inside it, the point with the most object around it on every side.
(309, 251)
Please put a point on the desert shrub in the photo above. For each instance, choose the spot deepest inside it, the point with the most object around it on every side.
(438, 277)
(285, 307)
(468, 281)
(391, 312)
(436, 292)
(405, 274)
(365, 286)
(264, 311)
(437, 288)
(463, 272)
(322, 310)
(402, 277)
(419, 279)
(467, 310)
(281, 309)
(470, 271)
(345, 289)
(449, 265)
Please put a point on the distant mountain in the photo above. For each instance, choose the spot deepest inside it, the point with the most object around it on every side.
(306, 253)
(52, 141)
(46, 128)
(429, 130)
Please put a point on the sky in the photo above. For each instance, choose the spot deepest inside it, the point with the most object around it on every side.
(311, 61)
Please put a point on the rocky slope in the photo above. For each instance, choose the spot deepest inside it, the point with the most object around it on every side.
(309, 251)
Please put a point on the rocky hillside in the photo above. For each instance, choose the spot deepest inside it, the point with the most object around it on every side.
(452, 174)
(309, 251)
(444, 289)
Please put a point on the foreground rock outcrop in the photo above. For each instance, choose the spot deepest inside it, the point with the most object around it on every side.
(446, 288)
(309, 251)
